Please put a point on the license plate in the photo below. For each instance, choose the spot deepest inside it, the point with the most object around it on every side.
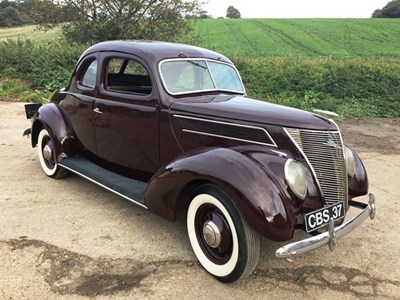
(320, 218)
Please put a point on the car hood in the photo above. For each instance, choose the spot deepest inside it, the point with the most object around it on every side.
(244, 109)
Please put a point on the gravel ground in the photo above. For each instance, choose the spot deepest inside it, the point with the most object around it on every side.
(69, 239)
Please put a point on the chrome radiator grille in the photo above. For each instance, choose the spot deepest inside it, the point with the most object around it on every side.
(324, 152)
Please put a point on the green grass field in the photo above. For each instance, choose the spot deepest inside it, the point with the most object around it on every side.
(254, 38)
(339, 38)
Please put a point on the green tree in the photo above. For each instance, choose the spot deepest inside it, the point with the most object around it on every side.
(26, 9)
(391, 10)
(99, 20)
(232, 13)
(10, 17)
(17, 13)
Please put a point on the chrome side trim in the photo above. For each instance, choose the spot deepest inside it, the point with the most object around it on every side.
(102, 185)
(332, 235)
(230, 124)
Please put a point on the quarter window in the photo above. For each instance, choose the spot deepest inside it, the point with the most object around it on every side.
(89, 78)
(127, 75)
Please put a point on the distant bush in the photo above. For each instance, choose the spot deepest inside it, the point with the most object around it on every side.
(12, 89)
(47, 67)
(357, 87)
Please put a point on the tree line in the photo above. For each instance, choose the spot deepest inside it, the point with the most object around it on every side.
(17, 13)
(391, 10)
(86, 21)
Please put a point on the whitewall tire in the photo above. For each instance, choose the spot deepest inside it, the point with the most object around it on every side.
(47, 156)
(222, 240)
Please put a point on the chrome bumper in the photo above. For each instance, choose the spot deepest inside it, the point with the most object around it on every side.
(329, 237)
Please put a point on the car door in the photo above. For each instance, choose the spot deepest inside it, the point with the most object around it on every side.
(127, 114)
(79, 101)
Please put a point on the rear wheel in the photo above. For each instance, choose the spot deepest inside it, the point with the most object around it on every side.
(224, 243)
(47, 156)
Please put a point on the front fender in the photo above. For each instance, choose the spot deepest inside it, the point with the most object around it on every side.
(358, 184)
(53, 118)
(258, 189)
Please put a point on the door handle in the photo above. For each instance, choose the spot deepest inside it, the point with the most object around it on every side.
(98, 111)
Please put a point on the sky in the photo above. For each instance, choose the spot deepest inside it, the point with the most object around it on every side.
(296, 8)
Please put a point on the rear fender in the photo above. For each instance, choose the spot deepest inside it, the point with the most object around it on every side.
(54, 119)
(258, 189)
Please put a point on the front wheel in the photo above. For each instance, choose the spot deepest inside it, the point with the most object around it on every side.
(222, 240)
(47, 156)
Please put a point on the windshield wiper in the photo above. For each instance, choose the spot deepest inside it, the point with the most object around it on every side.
(192, 61)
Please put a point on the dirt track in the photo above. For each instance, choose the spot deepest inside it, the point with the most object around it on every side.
(69, 239)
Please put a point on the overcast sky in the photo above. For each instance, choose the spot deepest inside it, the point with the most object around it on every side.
(297, 8)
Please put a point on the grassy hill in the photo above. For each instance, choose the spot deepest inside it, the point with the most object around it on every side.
(254, 38)
(339, 38)
(351, 66)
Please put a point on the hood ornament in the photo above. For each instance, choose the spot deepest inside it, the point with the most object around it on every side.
(326, 113)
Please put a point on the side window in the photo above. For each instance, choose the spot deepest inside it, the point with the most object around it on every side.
(89, 78)
(128, 76)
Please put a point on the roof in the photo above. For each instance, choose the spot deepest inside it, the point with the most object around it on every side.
(155, 50)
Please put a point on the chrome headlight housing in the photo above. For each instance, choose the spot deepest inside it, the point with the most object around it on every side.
(350, 161)
(296, 178)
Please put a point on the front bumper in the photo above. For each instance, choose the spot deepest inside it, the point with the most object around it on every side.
(330, 237)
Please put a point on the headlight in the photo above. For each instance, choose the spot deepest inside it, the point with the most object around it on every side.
(350, 161)
(296, 178)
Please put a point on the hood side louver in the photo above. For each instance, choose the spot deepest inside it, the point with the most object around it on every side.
(233, 131)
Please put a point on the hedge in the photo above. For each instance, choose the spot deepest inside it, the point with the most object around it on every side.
(356, 87)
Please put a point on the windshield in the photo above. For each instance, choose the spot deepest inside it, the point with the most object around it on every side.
(183, 76)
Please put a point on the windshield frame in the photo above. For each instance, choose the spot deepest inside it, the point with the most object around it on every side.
(195, 62)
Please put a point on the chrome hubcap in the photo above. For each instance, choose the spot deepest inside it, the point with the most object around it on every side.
(211, 234)
(47, 152)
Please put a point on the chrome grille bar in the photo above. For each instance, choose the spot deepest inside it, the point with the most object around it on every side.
(323, 150)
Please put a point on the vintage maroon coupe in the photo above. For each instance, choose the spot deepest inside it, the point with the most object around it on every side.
(169, 126)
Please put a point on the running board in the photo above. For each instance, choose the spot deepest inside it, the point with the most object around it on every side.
(130, 189)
